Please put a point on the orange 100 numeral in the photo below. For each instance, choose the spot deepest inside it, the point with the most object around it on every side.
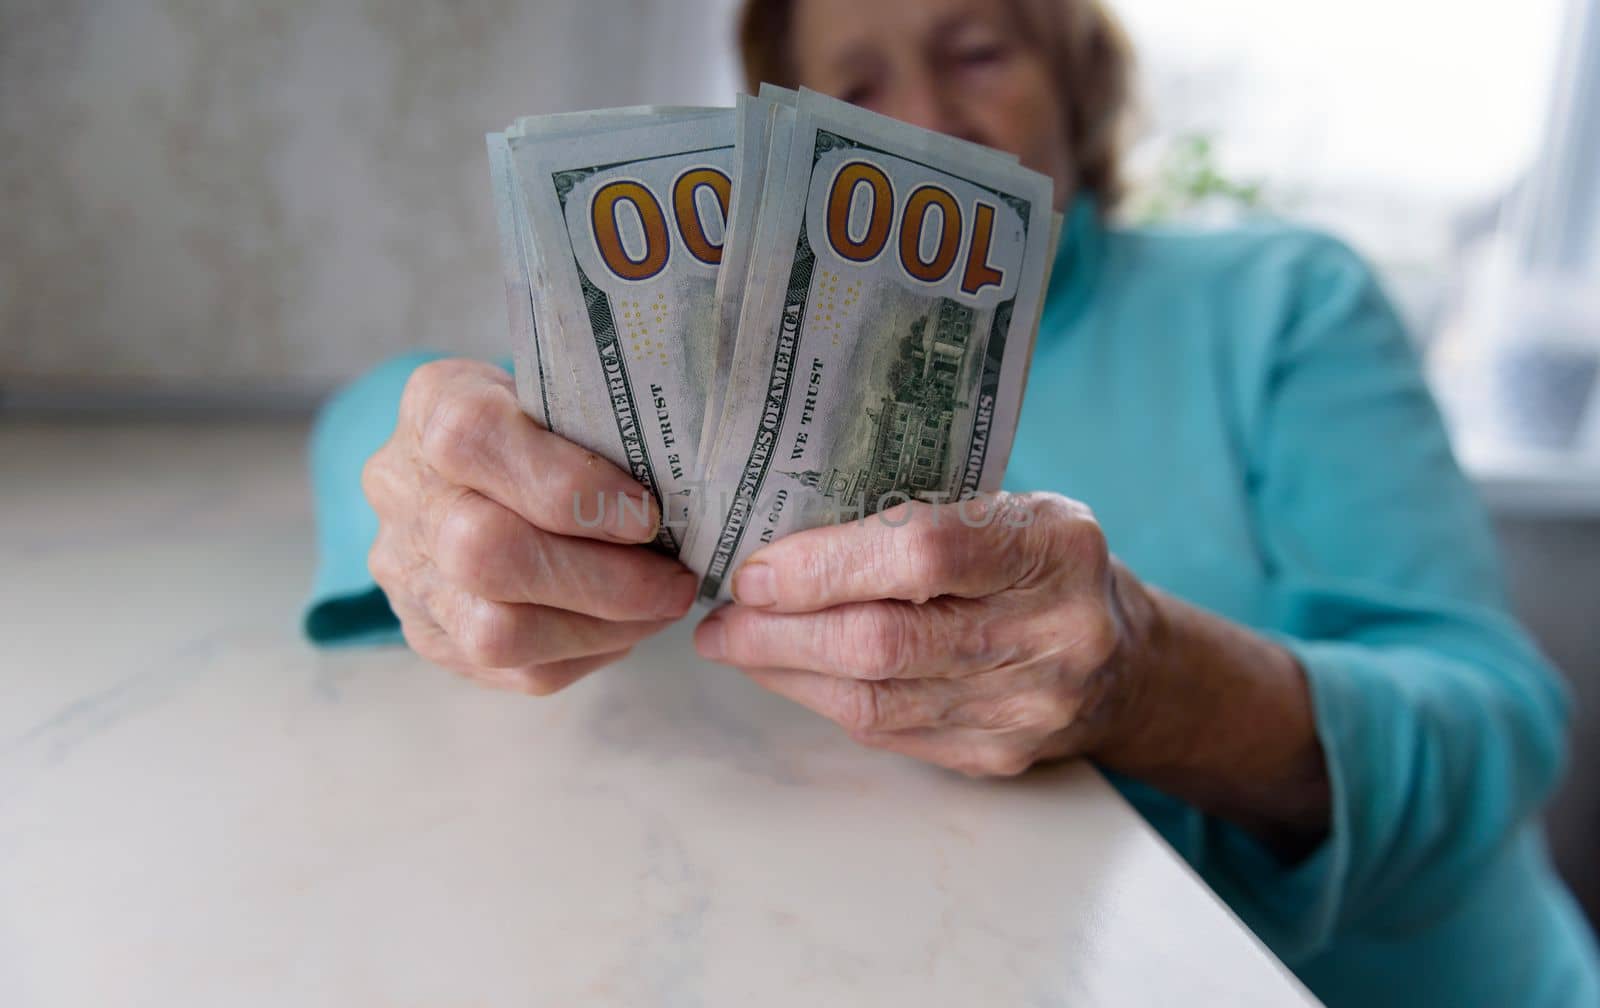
(863, 179)
(657, 251)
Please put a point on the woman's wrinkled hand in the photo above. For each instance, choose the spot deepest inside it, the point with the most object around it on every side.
(494, 548)
(983, 636)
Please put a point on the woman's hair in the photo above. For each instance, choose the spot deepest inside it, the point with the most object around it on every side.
(1087, 51)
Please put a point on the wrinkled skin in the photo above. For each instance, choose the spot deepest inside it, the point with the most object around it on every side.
(484, 556)
(982, 636)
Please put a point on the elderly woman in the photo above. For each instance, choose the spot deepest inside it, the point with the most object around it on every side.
(1280, 631)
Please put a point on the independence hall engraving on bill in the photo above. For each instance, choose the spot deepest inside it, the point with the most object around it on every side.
(910, 451)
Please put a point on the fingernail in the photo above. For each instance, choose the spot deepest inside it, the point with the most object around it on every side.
(754, 585)
(631, 518)
(708, 639)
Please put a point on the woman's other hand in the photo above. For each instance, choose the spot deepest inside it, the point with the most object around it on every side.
(982, 636)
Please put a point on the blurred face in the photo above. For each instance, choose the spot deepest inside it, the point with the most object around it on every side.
(962, 67)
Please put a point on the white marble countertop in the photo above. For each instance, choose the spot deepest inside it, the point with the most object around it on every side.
(196, 809)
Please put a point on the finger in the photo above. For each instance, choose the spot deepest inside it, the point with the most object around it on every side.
(490, 552)
(913, 552)
(391, 564)
(964, 750)
(389, 482)
(433, 644)
(503, 635)
(422, 634)
(861, 708)
(475, 435)
(545, 679)
(863, 640)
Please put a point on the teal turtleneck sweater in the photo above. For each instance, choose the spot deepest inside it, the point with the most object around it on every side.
(1246, 417)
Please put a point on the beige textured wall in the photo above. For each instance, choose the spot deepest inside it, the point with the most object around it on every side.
(220, 193)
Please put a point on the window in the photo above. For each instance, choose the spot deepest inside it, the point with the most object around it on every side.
(1456, 144)
(1391, 122)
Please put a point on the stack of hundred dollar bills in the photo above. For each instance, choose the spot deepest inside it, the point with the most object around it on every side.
(775, 316)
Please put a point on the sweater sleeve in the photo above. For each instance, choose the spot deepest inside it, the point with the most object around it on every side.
(346, 606)
(1442, 725)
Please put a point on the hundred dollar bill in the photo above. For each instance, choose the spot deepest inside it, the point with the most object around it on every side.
(540, 375)
(884, 343)
(625, 229)
(528, 362)
(766, 130)
(749, 230)
(764, 140)
(765, 126)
